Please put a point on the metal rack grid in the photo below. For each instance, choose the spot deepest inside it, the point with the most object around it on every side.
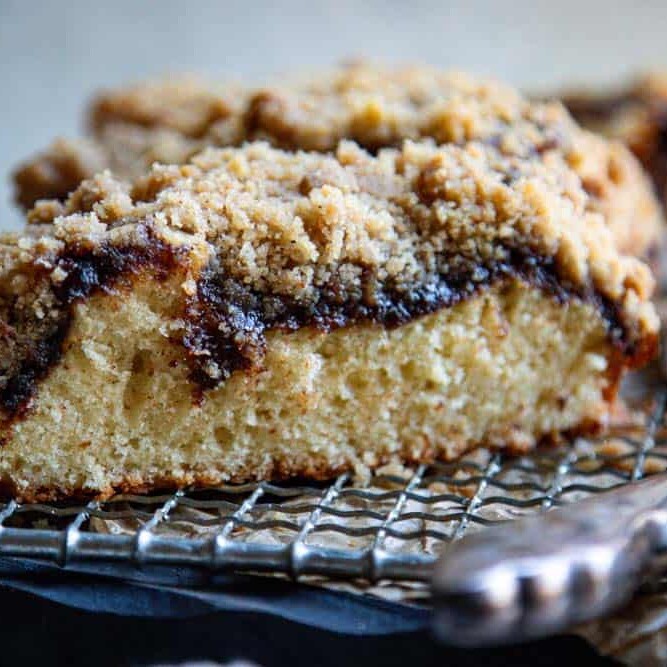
(392, 529)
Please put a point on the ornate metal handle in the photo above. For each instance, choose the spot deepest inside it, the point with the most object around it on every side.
(541, 575)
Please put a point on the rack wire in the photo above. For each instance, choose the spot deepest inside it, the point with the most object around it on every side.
(392, 529)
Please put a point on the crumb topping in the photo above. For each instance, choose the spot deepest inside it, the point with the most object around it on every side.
(59, 169)
(304, 225)
(374, 106)
(187, 105)
(636, 116)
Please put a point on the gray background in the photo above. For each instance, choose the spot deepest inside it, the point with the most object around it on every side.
(53, 55)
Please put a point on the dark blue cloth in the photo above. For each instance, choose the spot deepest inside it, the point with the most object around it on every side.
(115, 615)
(162, 592)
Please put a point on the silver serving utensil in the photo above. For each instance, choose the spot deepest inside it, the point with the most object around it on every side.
(542, 575)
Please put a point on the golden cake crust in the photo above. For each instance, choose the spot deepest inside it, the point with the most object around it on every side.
(283, 469)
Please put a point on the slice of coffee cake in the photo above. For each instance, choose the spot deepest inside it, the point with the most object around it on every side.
(375, 106)
(260, 313)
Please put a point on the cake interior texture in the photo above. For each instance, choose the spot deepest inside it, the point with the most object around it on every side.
(503, 369)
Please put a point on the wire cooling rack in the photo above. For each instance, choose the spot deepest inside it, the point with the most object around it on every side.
(392, 529)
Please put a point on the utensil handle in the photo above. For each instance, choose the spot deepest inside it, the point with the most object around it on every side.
(538, 576)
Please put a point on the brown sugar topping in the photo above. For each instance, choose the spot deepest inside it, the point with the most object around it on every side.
(374, 106)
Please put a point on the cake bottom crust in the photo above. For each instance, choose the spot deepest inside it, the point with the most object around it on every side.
(507, 369)
(311, 470)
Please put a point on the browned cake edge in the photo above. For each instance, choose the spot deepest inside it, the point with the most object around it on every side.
(282, 470)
